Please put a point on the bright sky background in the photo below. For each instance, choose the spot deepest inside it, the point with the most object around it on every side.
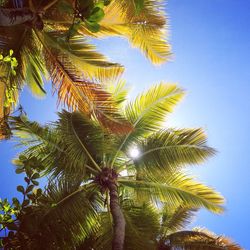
(211, 44)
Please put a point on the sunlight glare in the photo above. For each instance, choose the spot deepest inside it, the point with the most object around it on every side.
(134, 152)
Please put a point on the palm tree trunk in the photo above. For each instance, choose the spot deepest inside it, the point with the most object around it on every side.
(11, 17)
(118, 218)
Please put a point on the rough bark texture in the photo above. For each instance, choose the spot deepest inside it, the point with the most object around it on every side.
(118, 218)
(11, 17)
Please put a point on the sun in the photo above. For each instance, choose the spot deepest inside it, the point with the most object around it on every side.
(134, 152)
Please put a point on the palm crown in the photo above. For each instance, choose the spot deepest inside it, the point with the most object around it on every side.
(76, 148)
(49, 38)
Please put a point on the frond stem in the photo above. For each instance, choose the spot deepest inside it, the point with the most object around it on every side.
(135, 123)
(161, 148)
(84, 148)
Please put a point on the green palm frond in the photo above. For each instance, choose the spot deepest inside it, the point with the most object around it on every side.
(175, 218)
(62, 219)
(142, 225)
(168, 150)
(178, 189)
(76, 130)
(119, 92)
(148, 111)
(33, 65)
(32, 133)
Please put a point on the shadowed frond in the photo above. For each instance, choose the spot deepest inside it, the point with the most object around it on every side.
(175, 218)
(77, 132)
(32, 133)
(199, 240)
(142, 226)
(65, 215)
(33, 65)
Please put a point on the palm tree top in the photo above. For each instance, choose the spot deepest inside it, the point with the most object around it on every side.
(98, 154)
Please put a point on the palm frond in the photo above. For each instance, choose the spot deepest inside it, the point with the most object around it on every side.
(178, 189)
(168, 150)
(41, 142)
(175, 218)
(199, 240)
(32, 133)
(33, 67)
(61, 222)
(76, 131)
(78, 93)
(148, 111)
(92, 65)
(142, 225)
(146, 31)
(119, 92)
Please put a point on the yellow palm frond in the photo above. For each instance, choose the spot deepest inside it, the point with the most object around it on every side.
(90, 64)
(146, 31)
(79, 93)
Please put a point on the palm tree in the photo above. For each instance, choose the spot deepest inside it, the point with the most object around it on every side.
(172, 234)
(76, 147)
(198, 239)
(148, 227)
(49, 38)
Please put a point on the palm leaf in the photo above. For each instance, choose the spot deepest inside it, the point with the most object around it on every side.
(175, 218)
(200, 240)
(63, 219)
(142, 225)
(77, 92)
(91, 64)
(146, 31)
(178, 189)
(75, 130)
(168, 150)
(148, 112)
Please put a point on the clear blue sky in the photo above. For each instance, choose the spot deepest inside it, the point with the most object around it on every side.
(211, 44)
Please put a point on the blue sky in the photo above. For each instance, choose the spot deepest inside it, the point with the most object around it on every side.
(211, 44)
